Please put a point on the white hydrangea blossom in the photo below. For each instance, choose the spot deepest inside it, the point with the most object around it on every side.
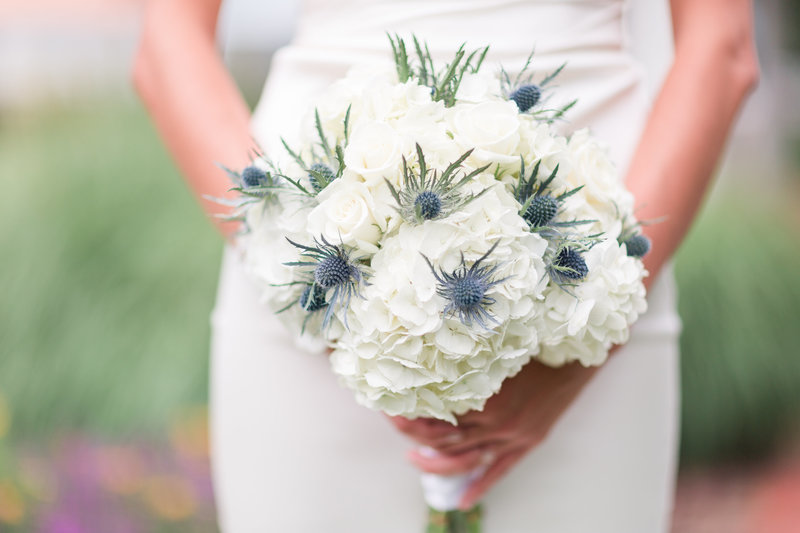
(583, 327)
(401, 351)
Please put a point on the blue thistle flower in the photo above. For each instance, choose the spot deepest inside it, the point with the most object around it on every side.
(465, 290)
(332, 271)
(320, 175)
(565, 262)
(428, 195)
(331, 274)
(428, 205)
(253, 183)
(541, 210)
(253, 176)
(570, 264)
(529, 95)
(526, 96)
(539, 205)
(637, 245)
(327, 159)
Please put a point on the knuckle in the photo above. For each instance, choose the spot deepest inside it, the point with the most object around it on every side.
(403, 424)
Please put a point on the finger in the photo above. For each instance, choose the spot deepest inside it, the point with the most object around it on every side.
(426, 431)
(474, 437)
(497, 470)
(448, 465)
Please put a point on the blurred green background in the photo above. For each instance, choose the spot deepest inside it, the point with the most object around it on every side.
(108, 278)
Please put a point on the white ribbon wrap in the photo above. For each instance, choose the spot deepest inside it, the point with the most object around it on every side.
(444, 493)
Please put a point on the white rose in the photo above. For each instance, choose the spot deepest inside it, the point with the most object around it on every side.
(603, 197)
(363, 90)
(424, 125)
(540, 144)
(492, 128)
(374, 151)
(345, 214)
(409, 95)
(478, 87)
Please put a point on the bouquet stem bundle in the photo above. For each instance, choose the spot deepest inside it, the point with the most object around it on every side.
(455, 521)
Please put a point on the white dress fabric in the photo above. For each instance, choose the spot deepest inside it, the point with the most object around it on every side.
(292, 452)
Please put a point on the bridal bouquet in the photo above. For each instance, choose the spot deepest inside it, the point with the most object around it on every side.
(432, 228)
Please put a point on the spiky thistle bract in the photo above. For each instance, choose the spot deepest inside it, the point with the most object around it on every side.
(540, 204)
(313, 298)
(530, 96)
(331, 277)
(326, 162)
(466, 290)
(254, 184)
(253, 181)
(444, 82)
(428, 194)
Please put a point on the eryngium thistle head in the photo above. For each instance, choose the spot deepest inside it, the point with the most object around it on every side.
(637, 245)
(571, 263)
(428, 194)
(324, 176)
(313, 298)
(253, 176)
(329, 268)
(332, 271)
(541, 211)
(465, 290)
(526, 96)
(428, 205)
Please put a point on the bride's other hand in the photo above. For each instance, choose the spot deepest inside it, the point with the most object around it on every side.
(514, 421)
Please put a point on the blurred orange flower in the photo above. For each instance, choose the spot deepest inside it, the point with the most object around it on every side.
(169, 497)
(12, 507)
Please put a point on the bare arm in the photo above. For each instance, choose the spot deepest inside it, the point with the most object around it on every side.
(714, 68)
(195, 104)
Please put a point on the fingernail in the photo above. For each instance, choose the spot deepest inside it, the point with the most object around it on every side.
(427, 451)
(487, 458)
(454, 438)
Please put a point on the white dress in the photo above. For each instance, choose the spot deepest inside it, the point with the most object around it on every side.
(292, 452)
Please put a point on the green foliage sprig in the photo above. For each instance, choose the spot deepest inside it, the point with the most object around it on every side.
(327, 159)
(444, 83)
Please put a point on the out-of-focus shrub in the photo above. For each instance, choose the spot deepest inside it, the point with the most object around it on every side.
(739, 278)
(108, 274)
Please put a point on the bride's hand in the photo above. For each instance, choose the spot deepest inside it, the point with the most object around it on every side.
(513, 422)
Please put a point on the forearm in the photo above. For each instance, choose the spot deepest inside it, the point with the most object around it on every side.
(714, 70)
(194, 102)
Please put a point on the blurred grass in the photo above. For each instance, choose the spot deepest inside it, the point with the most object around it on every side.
(108, 274)
(740, 304)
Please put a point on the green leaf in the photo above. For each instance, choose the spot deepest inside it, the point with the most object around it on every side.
(294, 155)
(322, 139)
